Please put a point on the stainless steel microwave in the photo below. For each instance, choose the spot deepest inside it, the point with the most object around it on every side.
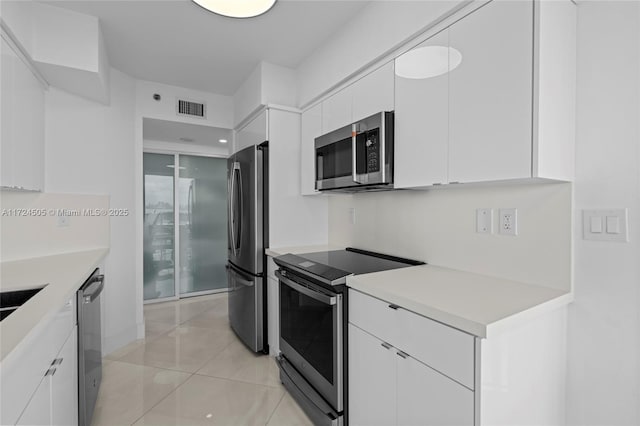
(356, 157)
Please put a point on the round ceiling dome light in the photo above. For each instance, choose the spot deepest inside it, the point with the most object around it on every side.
(428, 62)
(237, 8)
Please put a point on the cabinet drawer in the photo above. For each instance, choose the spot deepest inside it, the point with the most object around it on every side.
(443, 348)
(374, 316)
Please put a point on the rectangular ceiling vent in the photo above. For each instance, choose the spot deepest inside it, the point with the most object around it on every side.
(191, 109)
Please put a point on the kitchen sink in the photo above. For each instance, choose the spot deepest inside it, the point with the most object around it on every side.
(12, 300)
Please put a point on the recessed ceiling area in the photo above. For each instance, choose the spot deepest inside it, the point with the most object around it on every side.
(177, 132)
(179, 43)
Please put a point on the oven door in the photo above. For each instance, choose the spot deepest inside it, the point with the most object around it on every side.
(311, 336)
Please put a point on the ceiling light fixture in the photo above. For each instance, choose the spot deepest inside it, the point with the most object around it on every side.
(237, 8)
(222, 140)
(428, 62)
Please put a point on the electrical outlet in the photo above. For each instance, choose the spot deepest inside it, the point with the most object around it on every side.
(63, 221)
(484, 221)
(508, 222)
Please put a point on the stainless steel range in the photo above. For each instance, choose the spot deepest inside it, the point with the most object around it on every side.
(313, 326)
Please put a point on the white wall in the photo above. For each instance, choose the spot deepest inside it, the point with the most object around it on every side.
(604, 320)
(89, 148)
(379, 28)
(248, 97)
(439, 227)
(267, 84)
(219, 109)
(22, 237)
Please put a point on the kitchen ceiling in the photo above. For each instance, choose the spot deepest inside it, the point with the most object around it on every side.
(177, 42)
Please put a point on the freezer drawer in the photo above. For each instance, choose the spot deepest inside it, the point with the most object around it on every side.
(246, 304)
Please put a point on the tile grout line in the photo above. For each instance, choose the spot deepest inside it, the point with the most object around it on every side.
(275, 409)
(163, 398)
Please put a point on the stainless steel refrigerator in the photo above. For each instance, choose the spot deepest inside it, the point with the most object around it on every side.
(247, 176)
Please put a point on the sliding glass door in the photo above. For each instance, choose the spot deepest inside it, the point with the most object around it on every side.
(189, 259)
(203, 223)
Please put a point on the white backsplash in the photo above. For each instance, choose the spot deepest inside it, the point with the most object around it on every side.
(439, 227)
(30, 227)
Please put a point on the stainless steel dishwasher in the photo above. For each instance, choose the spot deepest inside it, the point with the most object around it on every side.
(89, 346)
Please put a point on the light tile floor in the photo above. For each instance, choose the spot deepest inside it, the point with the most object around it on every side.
(192, 370)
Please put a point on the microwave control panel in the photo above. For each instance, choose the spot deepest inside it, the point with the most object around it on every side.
(372, 148)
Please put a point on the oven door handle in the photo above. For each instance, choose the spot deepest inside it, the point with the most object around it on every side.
(320, 297)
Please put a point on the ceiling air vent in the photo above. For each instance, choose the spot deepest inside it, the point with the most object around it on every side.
(191, 109)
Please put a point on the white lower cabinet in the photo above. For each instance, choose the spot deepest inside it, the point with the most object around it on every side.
(64, 384)
(372, 380)
(38, 411)
(38, 379)
(55, 401)
(427, 397)
(388, 385)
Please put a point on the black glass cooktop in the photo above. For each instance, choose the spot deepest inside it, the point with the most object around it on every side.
(334, 266)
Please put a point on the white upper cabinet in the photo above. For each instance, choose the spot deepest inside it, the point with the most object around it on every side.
(22, 147)
(421, 118)
(311, 128)
(505, 109)
(337, 110)
(253, 133)
(373, 92)
(490, 99)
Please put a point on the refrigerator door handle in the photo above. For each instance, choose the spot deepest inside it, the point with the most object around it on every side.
(240, 210)
(231, 221)
(235, 217)
(239, 279)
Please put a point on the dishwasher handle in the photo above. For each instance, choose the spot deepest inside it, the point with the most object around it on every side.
(93, 288)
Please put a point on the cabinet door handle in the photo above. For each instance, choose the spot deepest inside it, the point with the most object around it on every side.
(386, 345)
(394, 307)
(50, 372)
(402, 354)
(57, 361)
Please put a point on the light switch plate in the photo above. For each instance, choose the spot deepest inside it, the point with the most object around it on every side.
(611, 225)
(484, 221)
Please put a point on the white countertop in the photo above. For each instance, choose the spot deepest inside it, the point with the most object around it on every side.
(477, 304)
(279, 251)
(64, 274)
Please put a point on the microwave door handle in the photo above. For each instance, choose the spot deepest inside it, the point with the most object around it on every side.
(354, 153)
(383, 146)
